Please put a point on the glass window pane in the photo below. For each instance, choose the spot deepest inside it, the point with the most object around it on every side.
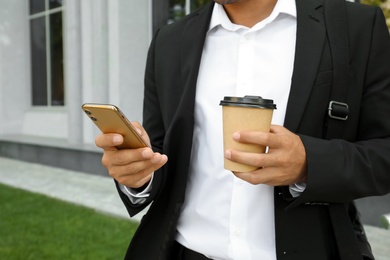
(37, 6)
(38, 62)
(195, 4)
(55, 3)
(56, 51)
(176, 10)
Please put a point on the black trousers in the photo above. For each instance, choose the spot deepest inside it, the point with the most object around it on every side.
(182, 253)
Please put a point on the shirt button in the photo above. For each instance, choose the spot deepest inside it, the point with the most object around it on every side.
(237, 233)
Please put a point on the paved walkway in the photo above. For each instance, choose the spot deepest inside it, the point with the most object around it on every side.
(85, 189)
(100, 193)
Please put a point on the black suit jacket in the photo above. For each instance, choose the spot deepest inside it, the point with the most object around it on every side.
(353, 166)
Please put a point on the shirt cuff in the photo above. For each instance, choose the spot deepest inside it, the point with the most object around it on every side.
(134, 196)
(297, 188)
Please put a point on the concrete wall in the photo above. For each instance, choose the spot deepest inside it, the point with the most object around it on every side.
(14, 65)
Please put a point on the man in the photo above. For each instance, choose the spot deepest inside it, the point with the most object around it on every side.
(278, 50)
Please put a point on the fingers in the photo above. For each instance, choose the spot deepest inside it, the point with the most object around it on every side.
(141, 131)
(108, 141)
(136, 174)
(285, 162)
(256, 137)
(253, 159)
(269, 175)
(278, 129)
(276, 138)
(130, 167)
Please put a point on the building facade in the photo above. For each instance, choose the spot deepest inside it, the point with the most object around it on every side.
(56, 55)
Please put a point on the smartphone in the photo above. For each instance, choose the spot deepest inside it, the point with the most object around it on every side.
(110, 119)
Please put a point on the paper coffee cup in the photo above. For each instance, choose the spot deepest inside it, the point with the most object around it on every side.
(249, 113)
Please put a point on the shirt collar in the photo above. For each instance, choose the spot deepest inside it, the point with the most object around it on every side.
(220, 18)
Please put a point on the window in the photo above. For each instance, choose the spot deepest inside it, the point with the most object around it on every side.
(179, 8)
(46, 52)
(168, 11)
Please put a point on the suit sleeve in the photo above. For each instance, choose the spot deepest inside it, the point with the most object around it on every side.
(339, 170)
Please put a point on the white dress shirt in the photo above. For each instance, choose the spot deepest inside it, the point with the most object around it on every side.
(224, 217)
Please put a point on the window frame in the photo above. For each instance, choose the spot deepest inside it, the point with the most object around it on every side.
(46, 13)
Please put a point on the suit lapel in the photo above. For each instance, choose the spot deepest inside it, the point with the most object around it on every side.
(309, 46)
(191, 44)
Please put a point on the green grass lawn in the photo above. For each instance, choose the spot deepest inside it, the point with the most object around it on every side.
(33, 226)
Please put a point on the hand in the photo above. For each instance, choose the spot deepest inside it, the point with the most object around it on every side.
(130, 167)
(284, 164)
